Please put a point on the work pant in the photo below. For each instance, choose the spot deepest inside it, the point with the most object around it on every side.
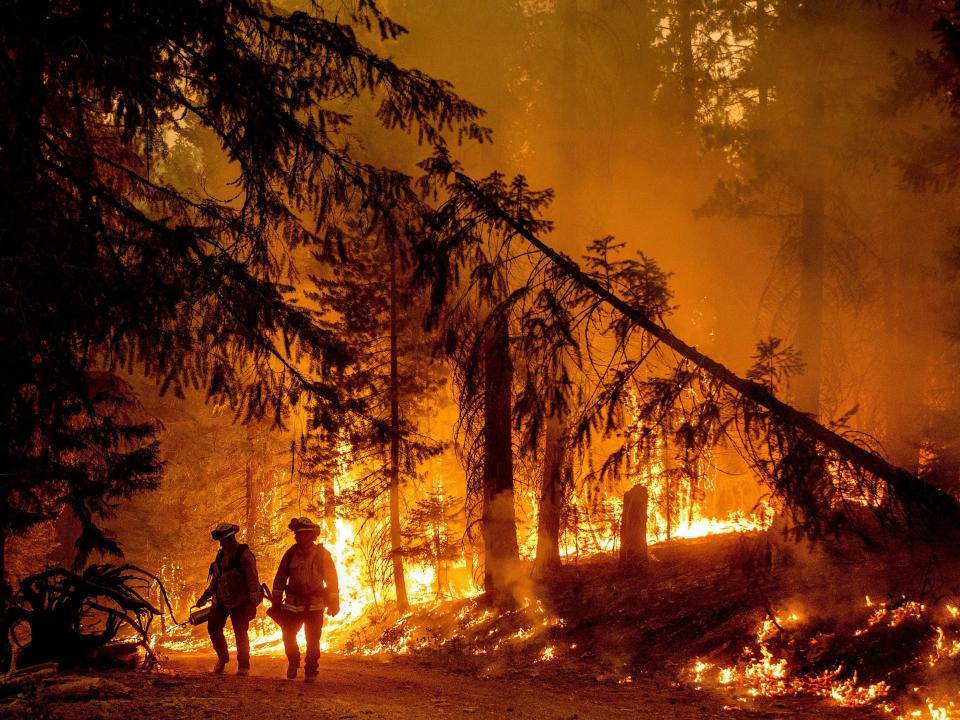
(312, 622)
(240, 618)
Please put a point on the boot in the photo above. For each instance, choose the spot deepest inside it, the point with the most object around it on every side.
(291, 672)
(309, 678)
(219, 666)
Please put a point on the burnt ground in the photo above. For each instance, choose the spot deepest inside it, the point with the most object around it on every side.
(621, 643)
(397, 688)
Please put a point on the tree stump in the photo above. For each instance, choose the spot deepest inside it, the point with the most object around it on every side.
(633, 528)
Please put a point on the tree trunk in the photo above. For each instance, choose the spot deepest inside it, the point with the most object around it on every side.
(906, 357)
(501, 551)
(570, 170)
(670, 491)
(329, 496)
(399, 582)
(250, 500)
(688, 74)
(633, 527)
(552, 490)
(812, 261)
(439, 565)
(252, 484)
(471, 560)
(934, 509)
(763, 89)
(6, 648)
(570, 106)
(443, 578)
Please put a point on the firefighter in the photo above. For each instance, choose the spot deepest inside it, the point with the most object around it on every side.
(234, 586)
(305, 585)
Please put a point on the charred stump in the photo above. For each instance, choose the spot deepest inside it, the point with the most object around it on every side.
(633, 528)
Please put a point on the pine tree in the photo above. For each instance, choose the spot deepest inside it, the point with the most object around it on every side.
(808, 137)
(828, 482)
(432, 534)
(929, 160)
(106, 267)
(395, 376)
(507, 356)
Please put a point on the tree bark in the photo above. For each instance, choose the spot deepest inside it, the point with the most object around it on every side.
(570, 109)
(763, 89)
(925, 503)
(670, 492)
(252, 472)
(688, 89)
(569, 154)
(547, 561)
(812, 259)
(501, 550)
(399, 581)
(906, 357)
(328, 496)
(6, 648)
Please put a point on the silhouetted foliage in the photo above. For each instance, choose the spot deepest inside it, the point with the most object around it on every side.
(433, 532)
(71, 616)
(828, 479)
(356, 293)
(107, 265)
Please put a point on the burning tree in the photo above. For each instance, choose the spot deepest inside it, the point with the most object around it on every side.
(828, 480)
(477, 293)
(824, 478)
(395, 376)
(433, 533)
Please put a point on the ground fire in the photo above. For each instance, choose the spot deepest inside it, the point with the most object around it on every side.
(524, 358)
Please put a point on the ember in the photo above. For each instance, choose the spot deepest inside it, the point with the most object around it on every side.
(772, 666)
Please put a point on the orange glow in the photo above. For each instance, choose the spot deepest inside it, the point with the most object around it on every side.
(761, 672)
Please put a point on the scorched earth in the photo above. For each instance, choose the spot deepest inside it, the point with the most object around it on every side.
(400, 688)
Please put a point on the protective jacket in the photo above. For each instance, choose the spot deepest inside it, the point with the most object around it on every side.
(233, 579)
(306, 580)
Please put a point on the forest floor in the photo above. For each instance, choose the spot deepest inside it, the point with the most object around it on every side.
(399, 688)
(599, 641)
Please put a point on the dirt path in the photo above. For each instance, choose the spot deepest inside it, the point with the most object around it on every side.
(400, 689)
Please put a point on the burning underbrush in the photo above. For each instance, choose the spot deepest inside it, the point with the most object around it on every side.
(595, 618)
(900, 656)
(469, 635)
(817, 633)
(715, 614)
(743, 615)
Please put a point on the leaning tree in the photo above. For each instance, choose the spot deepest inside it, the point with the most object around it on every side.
(826, 476)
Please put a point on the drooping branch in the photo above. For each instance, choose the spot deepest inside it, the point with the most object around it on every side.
(922, 502)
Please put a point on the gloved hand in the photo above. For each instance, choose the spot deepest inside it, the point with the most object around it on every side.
(333, 608)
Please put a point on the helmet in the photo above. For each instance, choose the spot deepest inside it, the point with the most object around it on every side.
(224, 530)
(304, 524)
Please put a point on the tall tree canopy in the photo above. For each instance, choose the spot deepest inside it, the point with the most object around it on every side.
(104, 264)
